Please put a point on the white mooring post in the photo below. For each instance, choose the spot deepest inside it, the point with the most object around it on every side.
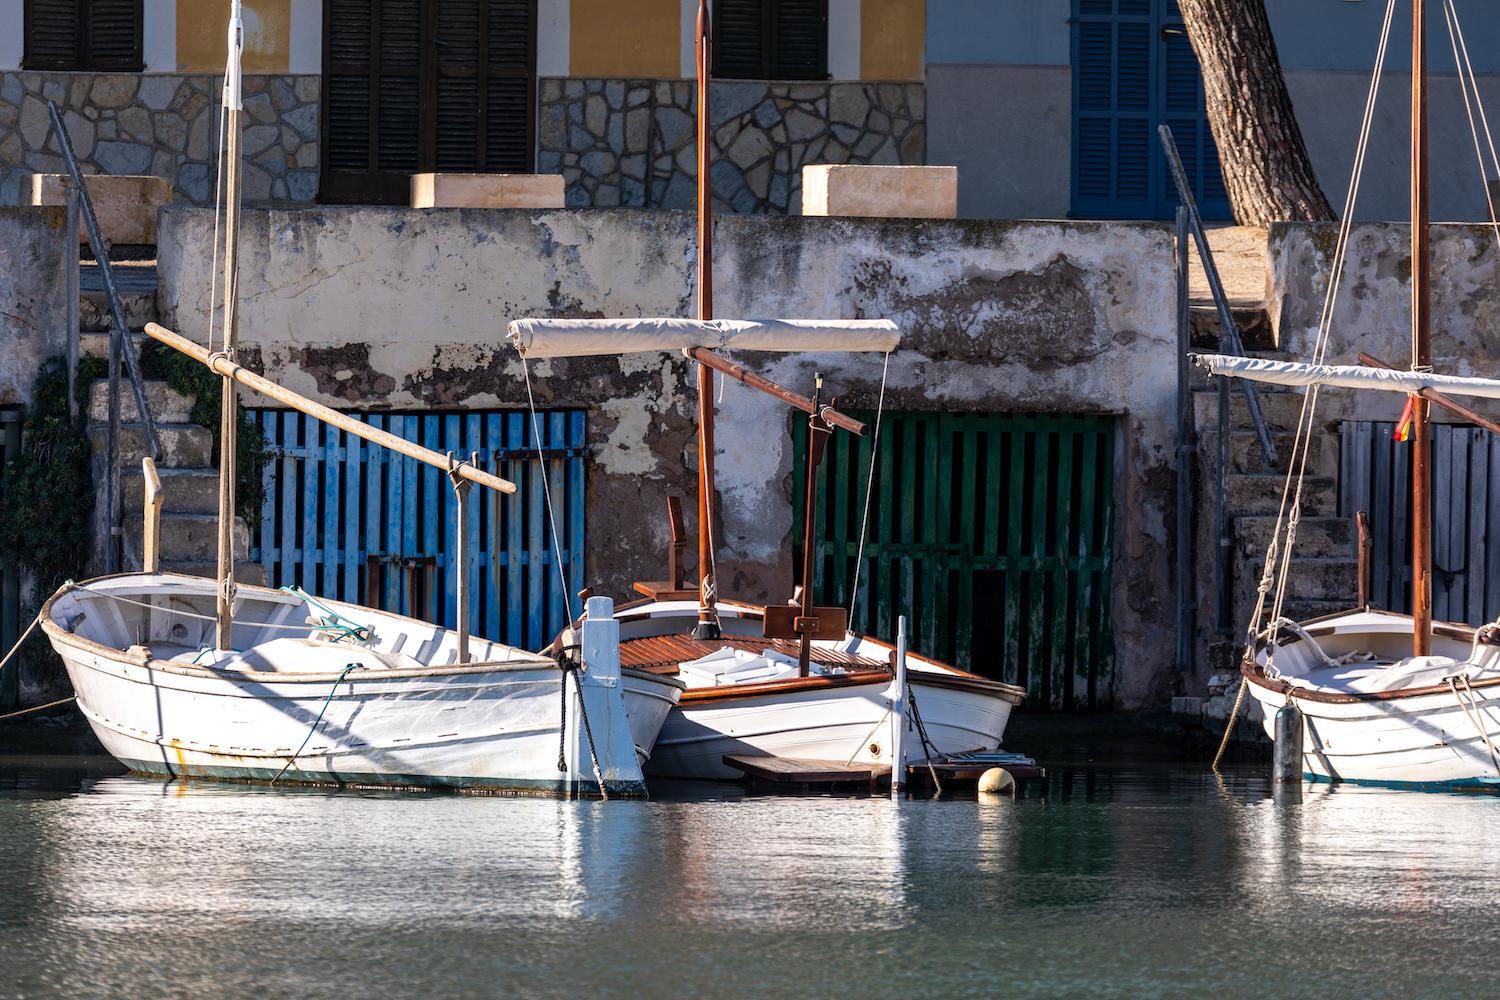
(603, 697)
(898, 714)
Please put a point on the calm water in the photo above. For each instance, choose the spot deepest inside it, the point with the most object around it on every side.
(1144, 881)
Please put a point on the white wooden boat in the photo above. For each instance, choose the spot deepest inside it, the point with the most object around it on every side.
(745, 695)
(1371, 712)
(1369, 695)
(183, 676)
(325, 692)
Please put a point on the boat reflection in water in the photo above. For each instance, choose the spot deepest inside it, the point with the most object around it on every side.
(1118, 883)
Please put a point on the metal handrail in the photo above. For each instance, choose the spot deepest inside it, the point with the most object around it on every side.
(119, 344)
(1231, 343)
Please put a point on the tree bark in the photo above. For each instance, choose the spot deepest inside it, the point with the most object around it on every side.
(1266, 170)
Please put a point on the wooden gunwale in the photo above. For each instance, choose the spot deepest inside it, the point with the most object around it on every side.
(856, 678)
(1255, 673)
(59, 634)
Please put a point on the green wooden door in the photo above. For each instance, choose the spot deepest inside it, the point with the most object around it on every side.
(992, 533)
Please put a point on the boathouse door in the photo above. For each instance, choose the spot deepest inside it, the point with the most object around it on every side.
(351, 521)
(413, 86)
(1375, 477)
(1133, 70)
(992, 533)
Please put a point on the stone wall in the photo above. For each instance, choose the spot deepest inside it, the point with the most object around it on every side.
(370, 308)
(633, 142)
(163, 124)
(35, 255)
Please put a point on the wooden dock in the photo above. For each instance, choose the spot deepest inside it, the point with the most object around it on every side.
(801, 775)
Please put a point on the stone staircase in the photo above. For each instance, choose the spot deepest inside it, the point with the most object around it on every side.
(189, 476)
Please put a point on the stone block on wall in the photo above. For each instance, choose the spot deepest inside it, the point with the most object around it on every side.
(884, 192)
(125, 205)
(487, 191)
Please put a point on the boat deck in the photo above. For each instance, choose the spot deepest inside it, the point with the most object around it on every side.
(662, 653)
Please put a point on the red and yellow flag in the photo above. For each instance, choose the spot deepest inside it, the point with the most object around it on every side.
(1403, 426)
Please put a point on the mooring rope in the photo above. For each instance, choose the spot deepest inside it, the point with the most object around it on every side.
(928, 747)
(13, 649)
(316, 722)
(1234, 714)
(1476, 723)
(567, 667)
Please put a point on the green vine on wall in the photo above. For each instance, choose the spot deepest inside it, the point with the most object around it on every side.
(190, 378)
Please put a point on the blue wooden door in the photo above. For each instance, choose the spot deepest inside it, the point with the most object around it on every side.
(1134, 69)
(355, 522)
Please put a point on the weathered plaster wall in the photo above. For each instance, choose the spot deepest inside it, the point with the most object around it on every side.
(1372, 311)
(633, 142)
(35, 254)
(375, 308)
(162, 124)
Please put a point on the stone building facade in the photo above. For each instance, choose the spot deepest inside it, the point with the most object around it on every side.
(633, 142)
(163, 124)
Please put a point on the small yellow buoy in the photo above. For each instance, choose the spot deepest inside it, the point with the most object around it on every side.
(996, 779)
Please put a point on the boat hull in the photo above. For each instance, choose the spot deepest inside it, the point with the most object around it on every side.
(490, 726)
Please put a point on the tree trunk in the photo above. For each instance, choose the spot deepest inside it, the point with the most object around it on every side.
(1265, 165)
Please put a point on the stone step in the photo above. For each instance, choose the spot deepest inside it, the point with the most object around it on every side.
(1280, 406)
(1315, 579)
(183, 446)
(95, 344)
(1261, 494)
(184, 491)
(185, 538)
(166, 405)
(244, 572)
(1320, 537)
(95, 317)
(1247, 456)
(1253, 321)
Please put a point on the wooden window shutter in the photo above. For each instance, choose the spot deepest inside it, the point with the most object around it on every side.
(112, 36)
(484, 88)
(739, 28)
(800, 51)
(52, 34)
(509, 86)
(349, 133)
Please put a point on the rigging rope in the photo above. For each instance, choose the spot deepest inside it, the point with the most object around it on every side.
(1483, 733)
(1466, 81)
(864, 524)
(536, 430)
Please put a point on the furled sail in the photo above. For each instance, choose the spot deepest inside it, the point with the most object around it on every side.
(1346, 376)
(560, 338)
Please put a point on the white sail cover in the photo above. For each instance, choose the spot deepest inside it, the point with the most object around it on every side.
(1346, 376)
(565, 338)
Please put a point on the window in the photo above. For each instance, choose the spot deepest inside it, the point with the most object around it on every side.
(771, 39)
(100, 35)
(420, 85)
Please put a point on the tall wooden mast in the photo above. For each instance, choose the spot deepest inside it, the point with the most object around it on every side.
(708, 616)
(1421, 349)
(228, 413)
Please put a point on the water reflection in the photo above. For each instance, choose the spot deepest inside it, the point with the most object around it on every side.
(1112, 883)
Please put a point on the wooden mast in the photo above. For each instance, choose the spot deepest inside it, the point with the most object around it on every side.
(1421, 350)
(708, 616)
(228, 411)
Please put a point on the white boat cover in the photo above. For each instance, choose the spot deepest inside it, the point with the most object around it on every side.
(1346, 376)
(564, 338)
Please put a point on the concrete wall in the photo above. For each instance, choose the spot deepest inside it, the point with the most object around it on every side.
(374, 308)
(35, 254)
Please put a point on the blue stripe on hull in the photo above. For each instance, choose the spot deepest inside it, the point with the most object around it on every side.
(1478, 783)
(561, 787)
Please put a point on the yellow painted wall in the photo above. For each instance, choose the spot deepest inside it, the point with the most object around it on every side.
(629, 38)
(891, 34)
(202, 31)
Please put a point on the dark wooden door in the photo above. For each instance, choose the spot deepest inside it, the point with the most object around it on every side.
(413, 86)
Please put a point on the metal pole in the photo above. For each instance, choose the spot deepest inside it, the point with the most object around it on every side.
(1421, 349)
(1185, 602)
(230, 397)
(73, 308)
(461, 489)
(898, 713)
(708, 616)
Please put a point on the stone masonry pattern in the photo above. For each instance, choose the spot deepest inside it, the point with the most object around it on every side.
(633, 142)
(165, 125)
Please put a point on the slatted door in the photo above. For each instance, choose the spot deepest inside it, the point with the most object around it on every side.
(10, 577)
(355, 522)
(1134, 69)
(992, 533)
(1375, 477)
(423, 85)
